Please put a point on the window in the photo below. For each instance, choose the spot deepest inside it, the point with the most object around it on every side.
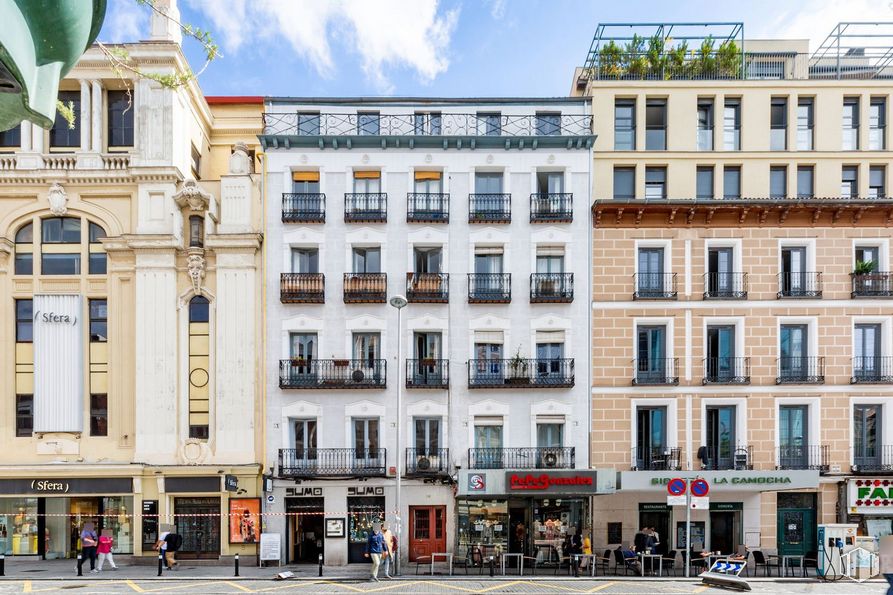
(850, 141)
(24, 321)
(867, 352)
(367, 182)
(625, 125)
(61, 230)
(778, 181)
(97, 264)
(778, 117)
(793, 436)
(651, 272)
(24, 415)
(428, 260)
(366, 438)
(368, 123)
(651, 353)
(731, 182)
(120, 119)
(488, 357)
(487, 183)
(867, 436)
(196, 163)
(794, 350)
(877, 121)
(199, 366)
(305, 260)
(24, 257)
(427, 435)
(721, 352)
(655, 182)
(731, 125)
(367, 260)
(804, 124)
(305, 439)
(651, 438)
(625, 182)
(877, 187)
(308, 124)
(196, 231)
(704, 183)
(198, 309)
(98, 321)
(11, 138)
(60, 264)
(427, 123)
(722, 279)
(795, 279)
(62, 135)
(549, 435)
(306, 182)
(303, 346)
(805, 181)
(705, 124)
(489, 123)
(721, 437)
(548, 124)
(656, 124)
(99, 415)
(548, 360)
(849, 181)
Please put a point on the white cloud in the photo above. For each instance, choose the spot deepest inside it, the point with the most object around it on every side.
(815, 19)
(497, 8)
(125, 22)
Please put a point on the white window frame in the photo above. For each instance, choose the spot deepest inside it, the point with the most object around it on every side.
(655, 321)
(814, 428)
(808, 243)
(672, 422)
(886, 403)
(883, 246)
(812, 324)
(886, 323)
(741, 437)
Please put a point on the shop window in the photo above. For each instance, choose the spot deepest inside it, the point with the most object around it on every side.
(199, 364)
(120, 119)
(18, 523)
(24, 415)
(483, 521)
(99, 415)
(98, 321)
(24, 321)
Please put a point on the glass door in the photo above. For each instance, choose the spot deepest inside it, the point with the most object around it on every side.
(427, 369)
(488, 358)
(721, 437)
(548, 359)
(792, 437)
(304, 260)
(366, 444)
(651, 355)
(651, 269)
(720, 279)
(303, 354)
(488, 443)
(367, 355)
(793, 267)
(721, 353)
(427, 436)
(867, 360)
(651, 437)
(549, 443)
(794, 363)
(305, 440)
(198, 521)
(428, 260)
(866, 436)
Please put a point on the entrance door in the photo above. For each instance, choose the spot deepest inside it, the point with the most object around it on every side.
(722, 532)
(796, 523)
(427, 531)
(660, 521)
(305, 529)
(518, 523)
(198, 522)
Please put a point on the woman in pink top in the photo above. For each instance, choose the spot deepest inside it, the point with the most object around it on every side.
(104, 549)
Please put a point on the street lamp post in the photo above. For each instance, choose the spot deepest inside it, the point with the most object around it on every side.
(399, 302)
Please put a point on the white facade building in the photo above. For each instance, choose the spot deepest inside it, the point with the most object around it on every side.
(477, 211)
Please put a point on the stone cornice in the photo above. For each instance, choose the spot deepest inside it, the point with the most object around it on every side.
(234, 241)
(91, 177)
(150, 242)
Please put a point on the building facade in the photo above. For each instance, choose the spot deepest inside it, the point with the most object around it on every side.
(476, 211)
(741, 286)
(129, 257)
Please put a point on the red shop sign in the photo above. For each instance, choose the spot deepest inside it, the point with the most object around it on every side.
(542, 482)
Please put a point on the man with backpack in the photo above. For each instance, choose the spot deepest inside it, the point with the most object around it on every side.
(168, 543)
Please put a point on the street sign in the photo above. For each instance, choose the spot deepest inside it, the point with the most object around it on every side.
(676, 500)
(699, 488)
(700, 503)
(676, 487)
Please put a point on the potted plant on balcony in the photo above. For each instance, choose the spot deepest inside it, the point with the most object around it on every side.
(340, 363)
(676, 64)
(864, 267)
(609, 58)
(728, 59)
(705, 60)
(518, 366)
(656, 54)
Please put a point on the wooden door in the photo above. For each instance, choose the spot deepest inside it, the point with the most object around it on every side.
(427, 531)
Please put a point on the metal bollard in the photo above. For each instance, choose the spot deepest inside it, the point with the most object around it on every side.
(2, 565)
(80, 565)
(492, 570)
(160, 562)
(236, 562)
(320, 565)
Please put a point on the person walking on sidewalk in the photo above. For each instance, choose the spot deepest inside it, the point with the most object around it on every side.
(388, 561)
(105, 549)
(374, 548)
(88, 546)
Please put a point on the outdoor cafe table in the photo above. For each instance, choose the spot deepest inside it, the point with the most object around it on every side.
(513, 555)
(660, 565)
(448, 558)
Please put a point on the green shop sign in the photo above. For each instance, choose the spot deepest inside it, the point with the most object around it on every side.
(759, 480)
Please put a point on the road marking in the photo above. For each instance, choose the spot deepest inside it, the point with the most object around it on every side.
(26, 587)
(701, 589)
(290, 585)
(134, 586)
(238, 586)
(600, 587)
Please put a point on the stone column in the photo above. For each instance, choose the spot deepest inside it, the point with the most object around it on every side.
(85, 116)
(26, 136)
(96, 128)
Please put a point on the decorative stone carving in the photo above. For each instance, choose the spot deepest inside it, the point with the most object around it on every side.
(195, 266)
(192, 195)
(240, 161)
(58, 199)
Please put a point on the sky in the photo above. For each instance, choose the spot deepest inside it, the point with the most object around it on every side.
(442, 48)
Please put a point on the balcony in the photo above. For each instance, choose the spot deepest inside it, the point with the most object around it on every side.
(654, 286)
(366, 207)
(804, 457)
(489, 288)
(332, 373)
(521, 373)
(489, 208)
(427, 462)
(302, 288)
(332, 462)
(872, 370)
(725, 286)
(551, 288)
(551, 207)
(872, 285)
(799, 285)
(657, 459)
(726, 370)
(726, 458)
(427, 207)
(656, 372)
(303, 208)
(428, 288)
(547, 457)
(801, 370)
(365, 288)
(427, 373)
(877, 458)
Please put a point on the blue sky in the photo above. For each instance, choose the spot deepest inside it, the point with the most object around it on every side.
(449, 48)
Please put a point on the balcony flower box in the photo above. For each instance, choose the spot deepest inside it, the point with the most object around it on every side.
(517, 380)
(341, 363)
(296, 361)
(429, 362)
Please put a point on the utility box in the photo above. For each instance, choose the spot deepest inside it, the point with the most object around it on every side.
(834, 541)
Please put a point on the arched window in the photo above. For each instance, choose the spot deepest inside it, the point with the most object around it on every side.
(24, 258)
(199, 366)
(196, 231)
(198, 309)
(98, 264)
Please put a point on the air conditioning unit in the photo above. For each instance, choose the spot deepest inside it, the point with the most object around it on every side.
(358, 375)
(550, 459)
(423, 463)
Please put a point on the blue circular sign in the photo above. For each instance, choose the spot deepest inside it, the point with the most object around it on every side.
(676, 486)
(699, 488)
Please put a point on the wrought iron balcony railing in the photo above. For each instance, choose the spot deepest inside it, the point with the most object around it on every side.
(298, 207)
(801, 370)
(302, 288)
(332, 462)
(430, 288)
(551, 288)
(804, 457)
(489, 288)
(723, 457)
(332, 373)
(427, 207)
(874, 458)
(546, 457)
(366, 207)
(521, 373)
(365, 288)
(725, 286)
(551, 207)
(427, 373)
(490, 208)
(726, 370)
(799, 285)
(654, 286)
(450, 125)
(655, 371)
(872, 285)
(657, 459)
(427, 461)
(875, 369)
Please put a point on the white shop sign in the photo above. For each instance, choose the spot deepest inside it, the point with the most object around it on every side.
(58, 363)
(270, 546)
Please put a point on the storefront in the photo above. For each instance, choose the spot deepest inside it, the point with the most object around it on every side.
(870, 505)
(530, 513)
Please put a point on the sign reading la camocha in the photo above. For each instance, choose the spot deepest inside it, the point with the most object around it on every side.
(721, 481)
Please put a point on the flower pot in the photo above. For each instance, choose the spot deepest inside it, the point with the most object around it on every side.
(341, 363)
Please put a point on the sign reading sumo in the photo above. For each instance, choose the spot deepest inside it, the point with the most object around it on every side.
(58, 363)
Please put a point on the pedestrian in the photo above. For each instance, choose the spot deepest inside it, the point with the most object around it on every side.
(105, 549)
(88, 546)
(388, 560)
(374, 548)
(168, 543)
